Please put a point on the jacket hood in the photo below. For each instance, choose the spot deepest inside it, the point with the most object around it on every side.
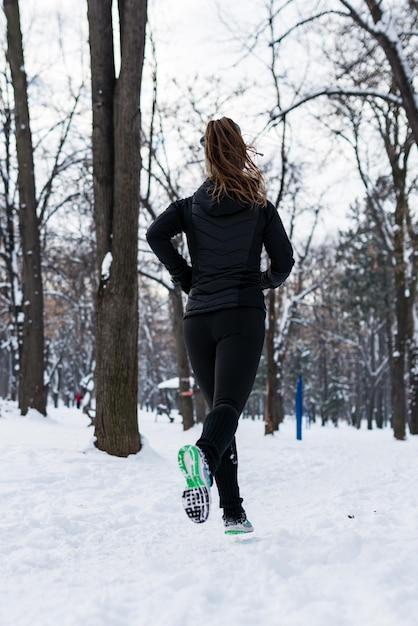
(227, 205)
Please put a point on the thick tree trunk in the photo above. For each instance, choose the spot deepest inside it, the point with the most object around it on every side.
(102, 86)
(31, 383)
(116, 168)
(185, 400)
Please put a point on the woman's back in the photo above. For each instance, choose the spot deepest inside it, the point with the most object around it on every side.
(227, 221)
(225, 241)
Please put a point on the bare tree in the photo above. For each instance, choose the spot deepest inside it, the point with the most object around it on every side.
(31, 383)
(284, 175)
(116, 170)
(57, 160)
(379, 72)
(388, 191)
(384, 31)
(11, 292)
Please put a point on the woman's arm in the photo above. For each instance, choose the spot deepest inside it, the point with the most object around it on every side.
(159, 235)
(279, 250)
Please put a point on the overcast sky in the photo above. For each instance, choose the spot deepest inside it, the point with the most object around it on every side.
(191, 40)
(189, 33)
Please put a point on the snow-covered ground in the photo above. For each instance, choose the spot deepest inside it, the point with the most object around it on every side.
(91, 540)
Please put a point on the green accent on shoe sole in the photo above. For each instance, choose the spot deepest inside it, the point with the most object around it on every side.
(192, 476)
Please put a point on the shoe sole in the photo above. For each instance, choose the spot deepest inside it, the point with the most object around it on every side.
(239, 531)
(196, 497)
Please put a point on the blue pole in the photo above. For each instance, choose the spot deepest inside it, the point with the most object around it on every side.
(299, 408)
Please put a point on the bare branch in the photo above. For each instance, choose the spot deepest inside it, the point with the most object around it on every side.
(160, 281)
(385, 34)
(302, 23)
(355, 15)
(46, 191)
(356, 93)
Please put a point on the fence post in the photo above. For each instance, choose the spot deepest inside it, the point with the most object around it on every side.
(299, 407)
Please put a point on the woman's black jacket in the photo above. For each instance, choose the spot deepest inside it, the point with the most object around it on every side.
(225, 241)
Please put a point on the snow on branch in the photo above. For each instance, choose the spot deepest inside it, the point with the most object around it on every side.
(288, 308)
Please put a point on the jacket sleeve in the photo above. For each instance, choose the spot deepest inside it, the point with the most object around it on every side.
(279, 250)
(159, 235)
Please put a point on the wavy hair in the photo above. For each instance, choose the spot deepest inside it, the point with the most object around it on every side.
(229, 164)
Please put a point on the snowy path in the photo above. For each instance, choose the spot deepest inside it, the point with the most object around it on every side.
(91, 540)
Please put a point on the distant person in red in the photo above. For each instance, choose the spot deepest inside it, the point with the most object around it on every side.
(77, 398)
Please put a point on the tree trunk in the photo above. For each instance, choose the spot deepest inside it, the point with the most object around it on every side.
(413, 391)
(371, 403)
(116, 168)
(200, 405)
(31, 383)
(185, 400)
(11, 261)
(102, 86)
(270, 408)
(399, 395)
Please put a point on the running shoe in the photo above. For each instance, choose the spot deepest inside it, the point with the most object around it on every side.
(196, 497)
(237, 524)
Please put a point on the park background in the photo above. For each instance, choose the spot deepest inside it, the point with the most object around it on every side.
(326, 92)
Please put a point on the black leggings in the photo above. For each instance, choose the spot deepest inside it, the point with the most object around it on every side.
(224, 349)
